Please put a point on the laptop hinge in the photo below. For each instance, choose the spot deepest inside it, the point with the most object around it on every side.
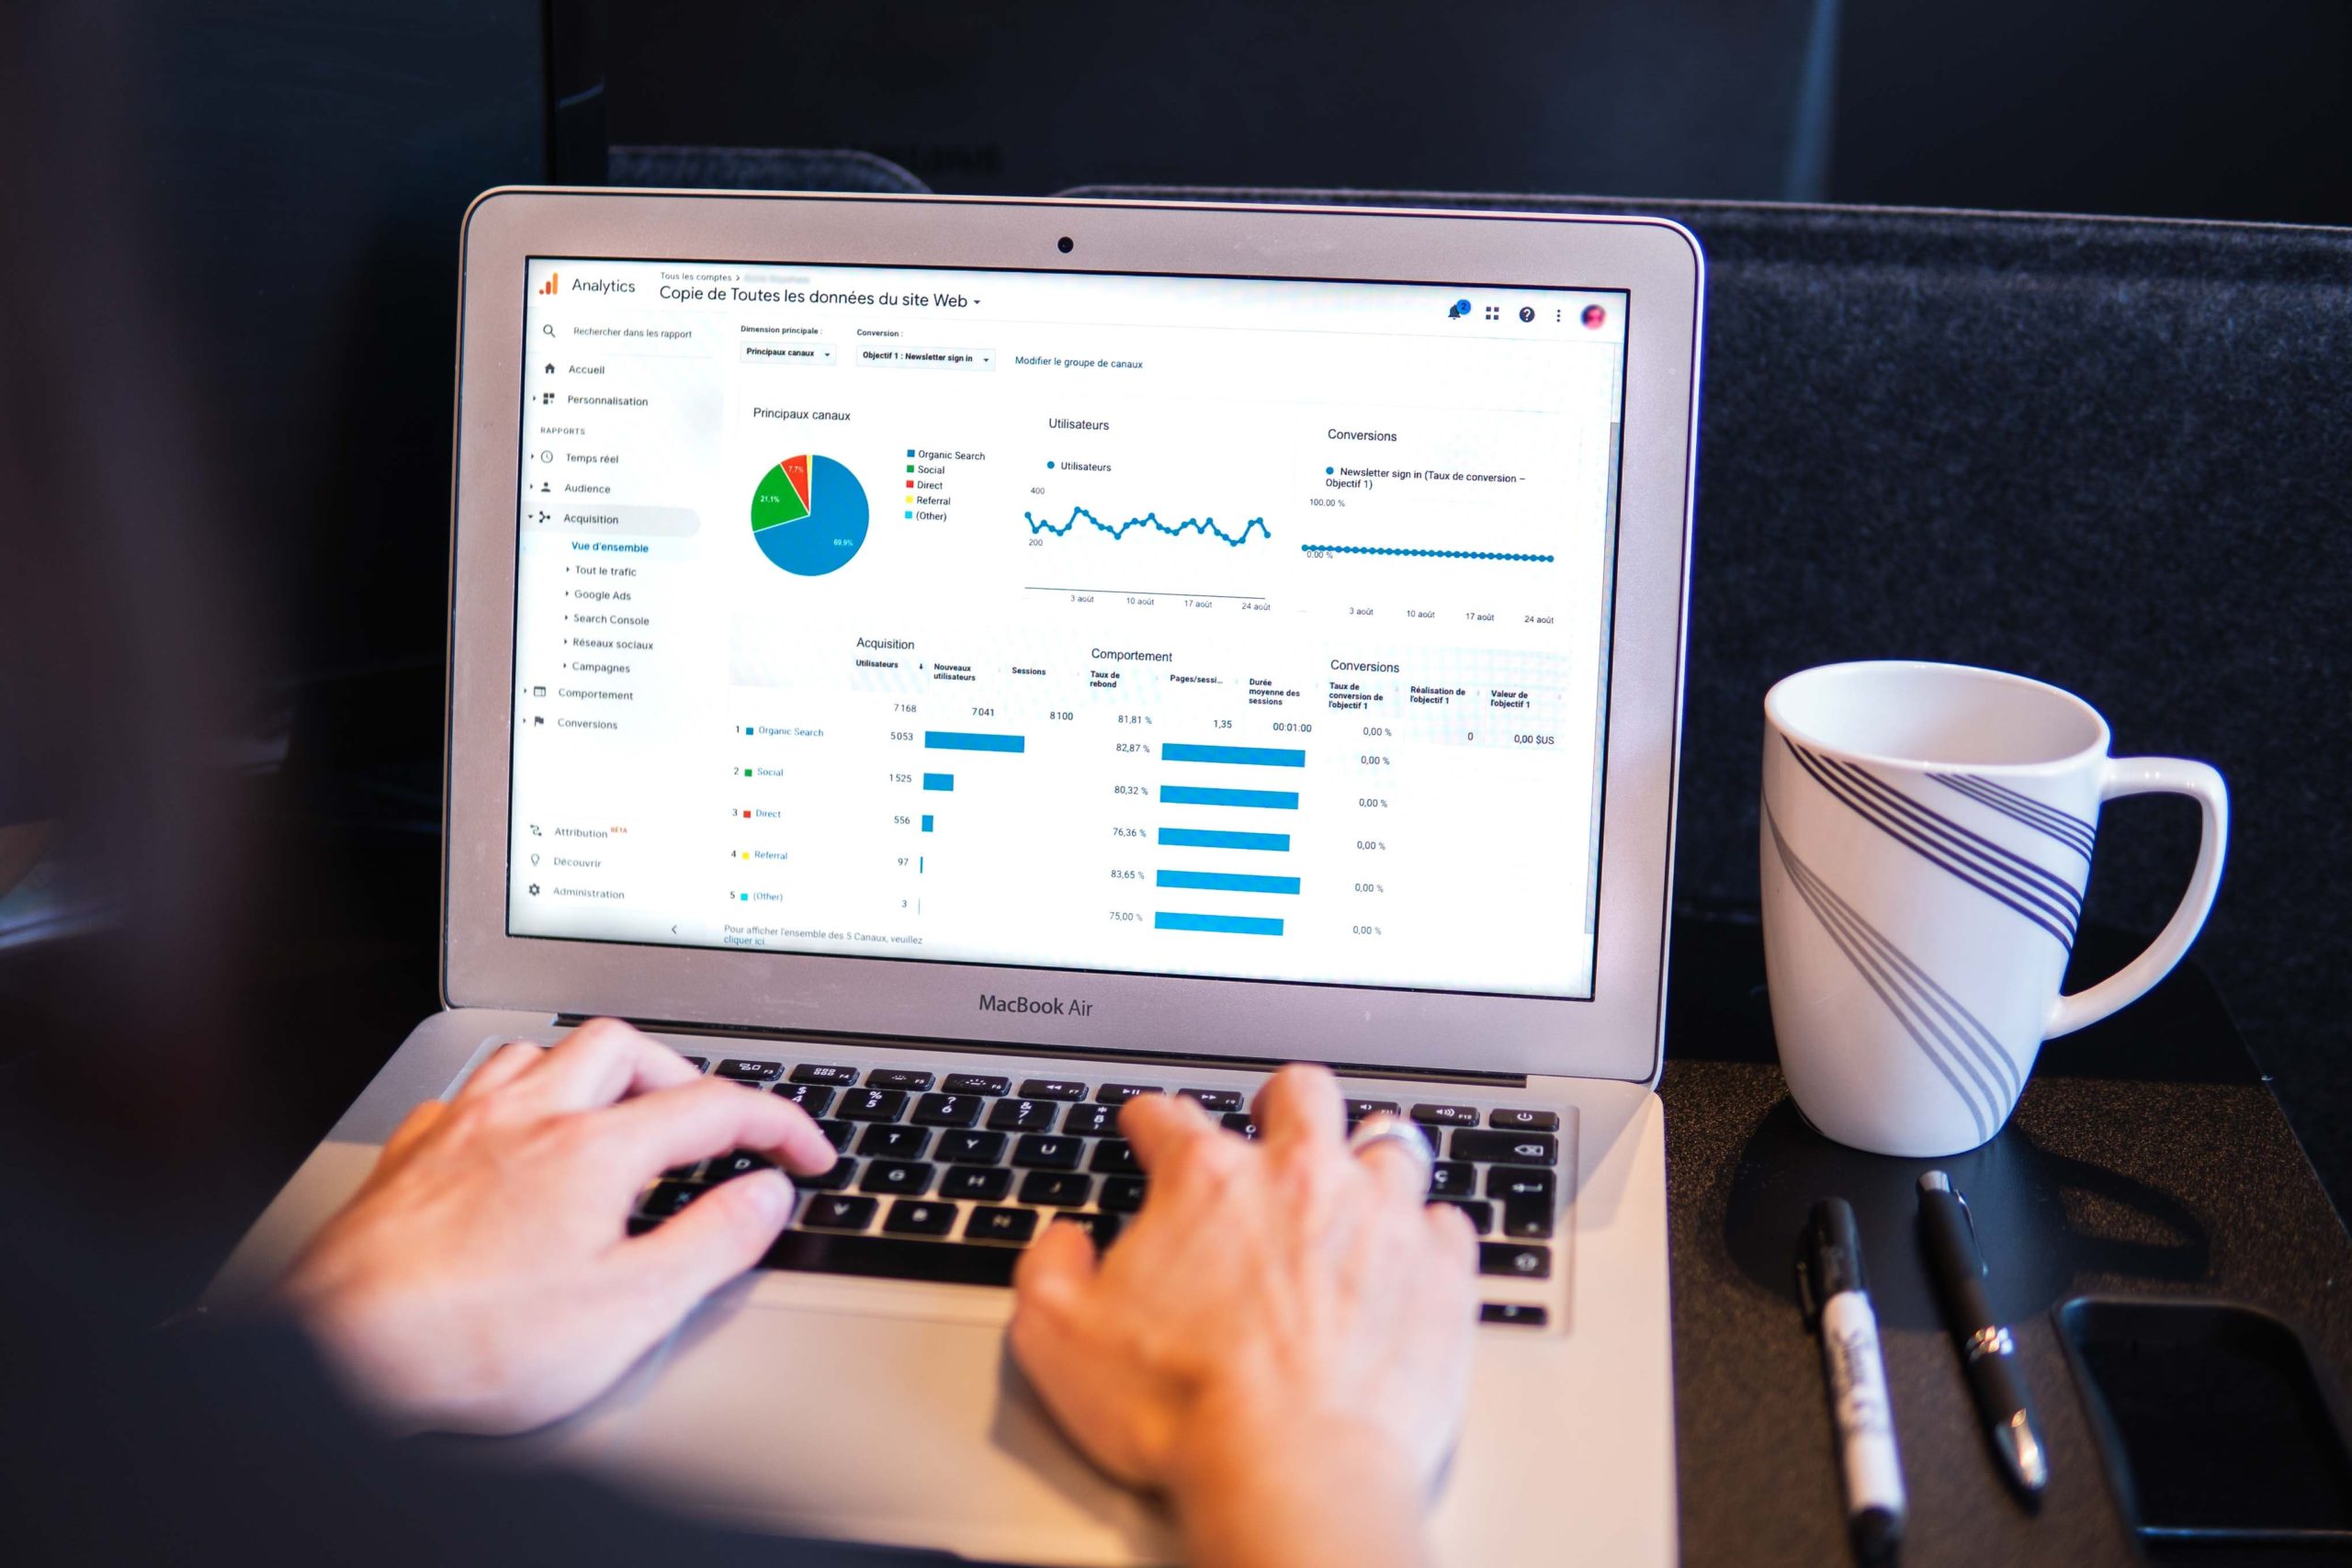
(1024, 1048)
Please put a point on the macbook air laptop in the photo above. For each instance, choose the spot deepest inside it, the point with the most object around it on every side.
(961, 663)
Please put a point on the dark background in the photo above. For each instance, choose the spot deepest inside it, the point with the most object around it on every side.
(295, 174)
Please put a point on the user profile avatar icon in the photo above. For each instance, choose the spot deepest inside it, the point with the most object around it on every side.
(1593, 316)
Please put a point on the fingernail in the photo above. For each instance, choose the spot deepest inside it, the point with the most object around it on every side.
(771, 1194)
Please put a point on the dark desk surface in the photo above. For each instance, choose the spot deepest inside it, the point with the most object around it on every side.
(2147, 1158)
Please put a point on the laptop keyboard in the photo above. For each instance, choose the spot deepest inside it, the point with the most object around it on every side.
(945, 1177)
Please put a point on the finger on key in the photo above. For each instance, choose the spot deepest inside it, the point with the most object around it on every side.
(1397, 1167)
(503, 1066)
(1300, 1102)
(601, 1061)
(1156, 1125)
(709, 1116)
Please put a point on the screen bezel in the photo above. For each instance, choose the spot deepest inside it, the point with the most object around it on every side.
(1617, 1032)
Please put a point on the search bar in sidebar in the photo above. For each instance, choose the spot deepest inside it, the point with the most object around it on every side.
(669, 337)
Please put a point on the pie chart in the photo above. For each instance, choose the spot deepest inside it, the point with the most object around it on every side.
(809, 515)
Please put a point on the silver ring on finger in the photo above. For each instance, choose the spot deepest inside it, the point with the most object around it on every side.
(1386, 1127)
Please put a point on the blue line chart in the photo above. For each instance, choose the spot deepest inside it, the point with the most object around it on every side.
(1434, 555)
(1204, 527)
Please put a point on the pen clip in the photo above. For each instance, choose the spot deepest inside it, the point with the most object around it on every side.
(1984, 1269)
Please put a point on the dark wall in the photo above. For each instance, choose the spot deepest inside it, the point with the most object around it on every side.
(1692, 95)
(2158, 108)
(300, 171)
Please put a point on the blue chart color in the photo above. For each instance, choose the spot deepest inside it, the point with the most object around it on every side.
(828, 538)
(1204, 527)
(1222, 838)
(1233, 925)
(1204, 794)
(943, 783)
(1247, 756)
(1432, 555)
(969, 740)
(1226, 882)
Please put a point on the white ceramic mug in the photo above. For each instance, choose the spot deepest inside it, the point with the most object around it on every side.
(1926, 836)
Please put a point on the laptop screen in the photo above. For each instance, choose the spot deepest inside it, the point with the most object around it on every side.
(1235, 627)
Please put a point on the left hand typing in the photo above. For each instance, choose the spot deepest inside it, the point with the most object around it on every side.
(483, 1279)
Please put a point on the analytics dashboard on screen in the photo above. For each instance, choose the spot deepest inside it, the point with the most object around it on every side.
(1238, 627)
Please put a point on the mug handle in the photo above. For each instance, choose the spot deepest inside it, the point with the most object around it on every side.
(2157, 776)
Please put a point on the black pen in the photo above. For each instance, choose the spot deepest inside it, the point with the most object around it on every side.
(1948, 1232)
(1837, 1299)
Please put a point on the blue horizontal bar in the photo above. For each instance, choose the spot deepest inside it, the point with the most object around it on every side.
(939, 781)
(968, 740)
(1249, 756)
(1218, 839)
(926, 821)
(1204, 794)
(1228, 882)
(1233, 925)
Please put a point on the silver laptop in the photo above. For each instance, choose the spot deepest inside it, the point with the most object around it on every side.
(962, 662)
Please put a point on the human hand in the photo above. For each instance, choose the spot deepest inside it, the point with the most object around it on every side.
(1281, 1339)
(483, 1278)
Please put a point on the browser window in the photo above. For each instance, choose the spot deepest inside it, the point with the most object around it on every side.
(1234, 627)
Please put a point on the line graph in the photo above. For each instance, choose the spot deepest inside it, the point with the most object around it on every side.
(1204, 527)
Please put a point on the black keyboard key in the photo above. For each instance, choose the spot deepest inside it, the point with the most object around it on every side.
(840, 1213)
(910, 1218)
(1022, 1115)
(666, 1198)
(1481, 1213)
(971, 1148)
(946, 1111)
(1506, 1148)
(817, 1072)
(1014, 1226)
(975, 1083)
(832, 1178)
(685, 1172)
(893, 1258)
(985, 1182)
(1518, 1181)
(894, 1143)
(738, 1162)
(697, 1063)
(1453, 1179)
(1513, 1313)
(744, 1069)
(1091, 1121)
(1120, 1093)
(909, 1179)
(873, 1105)
(1115, 1156)
(898, 1078)
(1104, 1228)
(1123, 1194)
(839, 1133)
(1053, 1088)
(1039, 1152)
(1445, 1115)
(1221, 1102)
(1524, 1121)
(1514, 1260)
(1240, 1121)
(1359, 1109)
(1528, 1219)
(811, 1098)
(1057, 1189)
